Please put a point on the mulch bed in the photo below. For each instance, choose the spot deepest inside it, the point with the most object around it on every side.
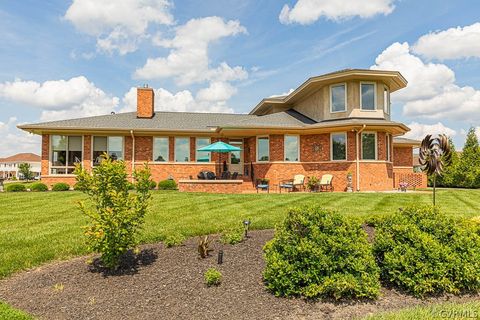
(167, 283)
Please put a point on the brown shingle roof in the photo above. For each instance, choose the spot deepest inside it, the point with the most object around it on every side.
(19, 157)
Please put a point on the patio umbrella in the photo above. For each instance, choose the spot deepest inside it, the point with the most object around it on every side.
(220, 147)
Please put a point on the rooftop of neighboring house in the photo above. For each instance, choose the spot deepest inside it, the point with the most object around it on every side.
(21, 157)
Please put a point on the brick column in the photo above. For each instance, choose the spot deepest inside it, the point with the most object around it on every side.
(45, 154)
(87, 152)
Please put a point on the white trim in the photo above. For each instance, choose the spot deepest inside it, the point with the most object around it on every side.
(386, 106)
(256, 146)
(174, 149)
(376, 145)
(153, 149)
(196, 147)
(298, 147)
(331, 96)
(374, 95)
(331, 146)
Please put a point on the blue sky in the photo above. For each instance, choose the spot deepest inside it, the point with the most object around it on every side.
(67, 59)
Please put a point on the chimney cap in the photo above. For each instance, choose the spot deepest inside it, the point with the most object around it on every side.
(145, 85)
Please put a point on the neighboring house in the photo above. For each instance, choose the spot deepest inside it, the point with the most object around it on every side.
(337, 123)
(9, 165)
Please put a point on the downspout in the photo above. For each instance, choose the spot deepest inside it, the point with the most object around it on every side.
(357, 160)
(133, 153)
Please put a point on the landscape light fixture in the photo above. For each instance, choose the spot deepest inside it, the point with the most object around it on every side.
(246, 224)
(220, 257)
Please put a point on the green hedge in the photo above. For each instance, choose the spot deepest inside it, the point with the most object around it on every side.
(153, 184)
(425, 252)
(39, 187)
(167, 185)
(15, 187)
(319, 253)
(60, 187)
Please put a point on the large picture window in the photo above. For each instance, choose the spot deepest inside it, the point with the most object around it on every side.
(182, 149)
(263, 149)
(338, 98)
(202, 156)
(113, 146)
(367, 99)
(66, 152)
(160, 149)
(369, 146)
(291, 148)
(339, 146)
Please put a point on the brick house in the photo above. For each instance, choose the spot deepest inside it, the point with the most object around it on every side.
(9, 166)
(337, 123)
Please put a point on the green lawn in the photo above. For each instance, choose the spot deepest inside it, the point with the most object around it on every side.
(40, 227)
(470, 310)
(7, 312)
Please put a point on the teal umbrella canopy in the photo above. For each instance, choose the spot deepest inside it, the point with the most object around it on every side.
(219, 146)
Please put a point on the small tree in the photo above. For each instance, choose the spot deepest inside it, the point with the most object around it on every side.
(469, 173)
(116, 215)
(434, 154)
(25, 170)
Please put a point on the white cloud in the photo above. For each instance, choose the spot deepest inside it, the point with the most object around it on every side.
(15, 140)
(183, 101)
(282, 94)
(217, 91)
(432, 92)
(420, 130)
(60, 99)
(454, 43)
(118, 25)
(308, 11)
(188, 60)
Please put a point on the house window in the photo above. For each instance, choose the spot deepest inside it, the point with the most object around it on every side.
(263, 149)
(160, 149)
(182, 149)
(386, 100)
(338, 98)
(291, 148)
(113, 146)
(387, 144)
(339, 146)
(66, 152)
(202, 156)
(367, 99)
(369, 146)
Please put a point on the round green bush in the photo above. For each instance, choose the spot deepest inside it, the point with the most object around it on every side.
(212, 277)
(317, 253)
(167, 185)
(15, 187)
(60, 187)
(425, 252)
(153, 184)
(39, 187)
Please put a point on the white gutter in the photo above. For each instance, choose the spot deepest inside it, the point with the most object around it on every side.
(133, 153)
(357, 160)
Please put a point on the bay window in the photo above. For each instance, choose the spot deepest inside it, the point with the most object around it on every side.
(369, 146)
(338, 146)
(338, 98)
(367, 96)
(160, 149)
(113, 146)
(291, 148)
(66, 151)
(263, 148)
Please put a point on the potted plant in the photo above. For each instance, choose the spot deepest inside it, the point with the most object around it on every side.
(312, 184)
(403, 186)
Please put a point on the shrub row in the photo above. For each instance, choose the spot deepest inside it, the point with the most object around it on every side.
(318, 253)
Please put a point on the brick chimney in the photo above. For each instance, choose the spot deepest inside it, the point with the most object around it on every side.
(145, 102)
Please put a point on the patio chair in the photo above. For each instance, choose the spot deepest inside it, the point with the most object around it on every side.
(235, 176)
(326, 183)
(298, 182)
(225, 175)
(262, 184)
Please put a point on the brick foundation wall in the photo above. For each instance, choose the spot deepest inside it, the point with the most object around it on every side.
(414, 179)
(402, 156)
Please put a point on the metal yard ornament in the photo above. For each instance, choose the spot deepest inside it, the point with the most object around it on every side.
(435, 154)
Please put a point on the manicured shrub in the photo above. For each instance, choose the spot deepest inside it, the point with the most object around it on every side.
(167, 185)
(116, 214)
(232, 236)
(15, 187)
(39, 187)
(174, 240)
(212, 277)
(425, 252)
(317, 253)
(152, 184)
(60, 187)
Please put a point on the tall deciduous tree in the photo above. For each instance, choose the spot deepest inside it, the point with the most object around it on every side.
(469, 164)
